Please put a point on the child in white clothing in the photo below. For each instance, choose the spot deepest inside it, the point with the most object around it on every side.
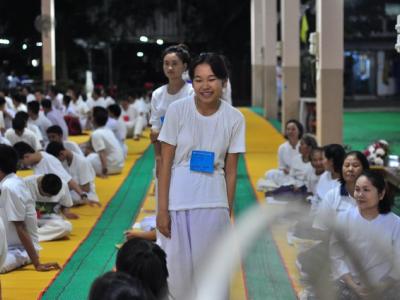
(79, 168)
(53, 201)
(108, 157)
(17, 211)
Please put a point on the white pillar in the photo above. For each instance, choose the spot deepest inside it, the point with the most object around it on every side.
(269, 12)
(330, 72)
(256, 53)
(290, 28)
(48, 42)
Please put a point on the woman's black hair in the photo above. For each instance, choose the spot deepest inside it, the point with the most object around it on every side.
(146, 261)
(377, 179)
(8, 159)
(118, 286)
(181, 50)
(336, 153)
(299, 126)
(216, 63)
(360, 157)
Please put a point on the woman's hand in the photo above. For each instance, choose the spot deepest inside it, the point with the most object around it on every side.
(163, 223)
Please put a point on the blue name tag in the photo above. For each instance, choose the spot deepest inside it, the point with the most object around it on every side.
(162, 119)
(202, 161)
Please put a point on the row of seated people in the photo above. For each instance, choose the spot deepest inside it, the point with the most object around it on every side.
(35, 208)
(72, 113)
(349, 238)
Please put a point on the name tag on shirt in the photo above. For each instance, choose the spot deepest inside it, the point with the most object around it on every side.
(162, 119)
(202, 161)
(126, 118)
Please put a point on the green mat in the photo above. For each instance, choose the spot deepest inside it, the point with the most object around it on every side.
(96, 254)
(266, 278)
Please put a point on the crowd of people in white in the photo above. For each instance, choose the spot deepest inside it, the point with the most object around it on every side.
(34, 132)
(349, 236)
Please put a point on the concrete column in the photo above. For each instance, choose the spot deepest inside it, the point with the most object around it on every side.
(330, 72)
(290, 14)
(269, 11)
(257, 93)
(49, 42)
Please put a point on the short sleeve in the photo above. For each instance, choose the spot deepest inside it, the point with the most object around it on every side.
(155, 120)
(170, 128)
(97, 142)
(14, 206)
(237, 142)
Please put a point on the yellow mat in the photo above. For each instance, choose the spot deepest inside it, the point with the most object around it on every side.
(26, 283)
(262, 142)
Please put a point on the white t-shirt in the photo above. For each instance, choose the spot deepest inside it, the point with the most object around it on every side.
(35, 129)
(63, 197)
(129, 116)
(375, 243)
(312, 181)
(286, 154)
(72, 146)
(17, 204)
(80, 169)
(324, 185)
(118, 127)
(27, 136)
(335, 201)
(160, 101)
(50, 164)
(188, 130)
(104, 139)
(43, 123)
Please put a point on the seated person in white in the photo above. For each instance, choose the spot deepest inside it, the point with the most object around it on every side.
(333, 162)
(18, 102)
(371, 234)
(43, 163)
(143, 110)
(38, 118)
(108, 157)
(312, 177)
(289, 149)
(128, 115)
(96, 100)
(79, 168)
(19, 133)
(17, 211)
(55, 116)
(341, 198)
(55, 134)
(300, 167)
(77, 107)
(52, 200)
(32, 127)
(6, 113)
(117, 126)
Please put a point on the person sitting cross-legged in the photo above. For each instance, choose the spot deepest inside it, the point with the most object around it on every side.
(19, 217)
(78, 167)
(53, 201)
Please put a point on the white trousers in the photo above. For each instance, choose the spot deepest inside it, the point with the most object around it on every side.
(193, 234)
(95, 161)
(16, 257)
(53, 227)
(141, 123)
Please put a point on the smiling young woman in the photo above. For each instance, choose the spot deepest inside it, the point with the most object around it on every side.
(201, 139)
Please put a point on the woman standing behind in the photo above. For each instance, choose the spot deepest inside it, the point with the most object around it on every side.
(175, 61)
(201, 139)
(372, 233)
